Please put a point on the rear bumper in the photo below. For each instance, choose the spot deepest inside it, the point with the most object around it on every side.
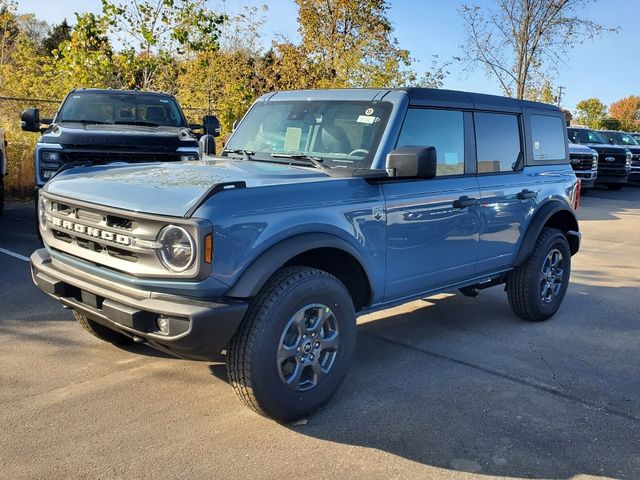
(197, 330)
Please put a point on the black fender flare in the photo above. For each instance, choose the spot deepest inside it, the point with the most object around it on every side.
(540, 219)
(266, 264)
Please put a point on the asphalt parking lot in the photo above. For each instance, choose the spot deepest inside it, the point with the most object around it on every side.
(448, 387)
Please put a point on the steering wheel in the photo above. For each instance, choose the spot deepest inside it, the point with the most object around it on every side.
(360, 151)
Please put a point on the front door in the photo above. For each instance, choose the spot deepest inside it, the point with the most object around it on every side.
(432, 225)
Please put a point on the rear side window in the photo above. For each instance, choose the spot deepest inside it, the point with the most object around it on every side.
(498, 142)
(442, 129)
(548, 140)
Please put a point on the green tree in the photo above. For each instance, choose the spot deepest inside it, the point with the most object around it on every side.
(627, 112)
(155, 33)
(591, 112)
(610, 124)
(58, 34)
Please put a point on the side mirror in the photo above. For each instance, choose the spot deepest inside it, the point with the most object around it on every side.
(414, 162)
(30, 120)
(207, 145)
(211, 125)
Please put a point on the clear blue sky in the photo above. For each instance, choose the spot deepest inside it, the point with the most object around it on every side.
(607, 68)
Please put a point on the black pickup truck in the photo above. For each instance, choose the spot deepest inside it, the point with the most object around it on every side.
(627, 141)
(614, 161)
(97, 127)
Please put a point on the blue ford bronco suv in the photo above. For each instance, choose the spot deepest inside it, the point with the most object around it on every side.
(323, 205)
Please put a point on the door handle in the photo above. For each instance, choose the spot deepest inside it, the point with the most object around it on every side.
(526, 194)
(464, 202)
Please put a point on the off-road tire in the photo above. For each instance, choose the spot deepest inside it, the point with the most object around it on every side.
(615, 186)
(523, 283)
(102, 332)
(252, 367)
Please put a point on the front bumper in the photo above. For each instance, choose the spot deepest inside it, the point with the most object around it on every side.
(587, 178)
(197, 330)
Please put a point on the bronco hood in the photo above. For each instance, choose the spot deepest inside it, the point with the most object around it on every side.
(169, 188)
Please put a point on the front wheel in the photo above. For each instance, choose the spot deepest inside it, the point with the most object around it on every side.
(295, 344)
(536, 288)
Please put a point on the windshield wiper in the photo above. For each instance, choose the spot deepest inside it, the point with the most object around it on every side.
(141, 123)
(247, 154)
(316, 161)
(91, 122)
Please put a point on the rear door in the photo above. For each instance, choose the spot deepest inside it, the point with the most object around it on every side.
(433, 225)
(507, 192)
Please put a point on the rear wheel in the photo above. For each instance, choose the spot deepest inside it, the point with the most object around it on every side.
(615, 186)
(102, 332)
(295, 344)
(536, 288)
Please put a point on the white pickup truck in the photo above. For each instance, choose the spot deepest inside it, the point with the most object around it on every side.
(3, 166)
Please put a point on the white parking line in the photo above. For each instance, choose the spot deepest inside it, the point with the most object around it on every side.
(14, 255)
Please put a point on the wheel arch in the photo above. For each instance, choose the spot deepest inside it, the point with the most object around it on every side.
(316, 250)
(555, 214)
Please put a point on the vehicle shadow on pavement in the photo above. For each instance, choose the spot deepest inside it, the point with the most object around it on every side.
(463, 384)
(592, 207)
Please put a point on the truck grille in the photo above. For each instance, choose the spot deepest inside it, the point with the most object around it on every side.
(583, 161)
(612, 159)
(99, 157)
(120, 240)
(635, 160)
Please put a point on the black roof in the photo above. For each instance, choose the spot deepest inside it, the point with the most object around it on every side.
(480, 101)
(120, 92)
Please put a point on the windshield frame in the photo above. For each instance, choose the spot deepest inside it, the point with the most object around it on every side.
(182, 121)
(336, 161)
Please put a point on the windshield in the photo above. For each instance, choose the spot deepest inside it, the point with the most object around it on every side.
(341, 134)
(582, 135)
(122, 109)
(619, 138)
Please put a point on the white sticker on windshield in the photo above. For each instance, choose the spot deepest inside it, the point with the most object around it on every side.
(292, 139)
(366, 119)
(536, 145)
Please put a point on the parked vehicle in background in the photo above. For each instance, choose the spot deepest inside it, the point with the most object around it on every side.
(627, 141)
(584, 161)
(636, 136)
(324, 204)
(98, 127)
(614, 162)
(3, 166)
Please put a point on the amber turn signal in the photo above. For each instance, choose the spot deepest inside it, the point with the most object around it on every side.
(208, 248)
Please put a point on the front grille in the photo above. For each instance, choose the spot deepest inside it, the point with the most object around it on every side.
(635, 160)
(612, 159)
(583, 161)
(120, 240)
(106, 156)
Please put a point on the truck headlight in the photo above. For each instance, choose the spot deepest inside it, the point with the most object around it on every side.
(177, 248)
(628, 162)
(594, 164)
(48, 156)
(42, 213)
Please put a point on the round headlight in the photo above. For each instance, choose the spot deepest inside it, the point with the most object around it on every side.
(42, 213)
(177, 248)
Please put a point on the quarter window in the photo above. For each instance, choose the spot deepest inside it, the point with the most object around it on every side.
(442, 129)
(548, 139)
(498, 142)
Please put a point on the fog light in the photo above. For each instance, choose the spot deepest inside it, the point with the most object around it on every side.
(163, 324)
(190, 157)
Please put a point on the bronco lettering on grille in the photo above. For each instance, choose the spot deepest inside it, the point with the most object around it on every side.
(92, 231)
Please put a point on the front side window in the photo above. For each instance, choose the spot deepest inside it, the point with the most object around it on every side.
(121, 109)
(619, 138)
(342, 134)
(498, 142)
(548, 140)
(442, 129)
